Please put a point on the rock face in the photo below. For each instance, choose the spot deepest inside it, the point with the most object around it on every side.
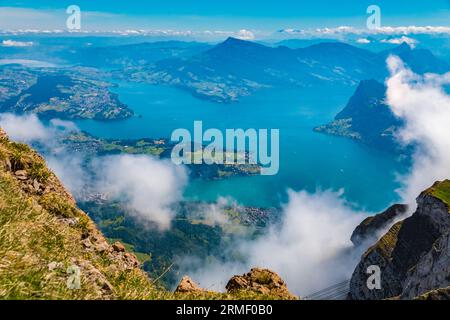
(414, 255)
(261, 281)
(371, 226)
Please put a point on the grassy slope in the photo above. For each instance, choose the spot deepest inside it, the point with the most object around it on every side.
(43, 233)
(441, 190)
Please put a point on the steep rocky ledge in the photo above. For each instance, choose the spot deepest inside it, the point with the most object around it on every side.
(414, 255)
(46, 240)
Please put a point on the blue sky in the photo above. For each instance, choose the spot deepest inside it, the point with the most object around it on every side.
(259, 16)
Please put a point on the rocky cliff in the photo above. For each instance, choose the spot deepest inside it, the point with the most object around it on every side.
(414, 255)
(366, 117)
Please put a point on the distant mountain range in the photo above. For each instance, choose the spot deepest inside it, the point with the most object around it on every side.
(134, 54)
(236, 68)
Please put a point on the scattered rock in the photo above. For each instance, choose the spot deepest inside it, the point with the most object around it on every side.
(36, 185)
(187, 285)
(55, 265)
(21, 175)
(8, 165)
(131, 260)
(262, 281)
(119, 247)
(3, 134)
(70, 221)
(87, 243)
(102, 246)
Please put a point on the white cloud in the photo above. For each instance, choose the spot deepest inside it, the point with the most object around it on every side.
(213, 214)
(410, 41)
(345, 30)
(28, 63)
(149, 187)
(12, 43)
(309, 249)
(424, 105)
(26, 128)
(363, 41)
(245, 35)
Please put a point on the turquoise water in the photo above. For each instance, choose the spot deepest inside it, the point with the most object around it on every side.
(308, 160)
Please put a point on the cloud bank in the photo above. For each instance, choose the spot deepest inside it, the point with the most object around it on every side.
(347, 30)
(26, 129)
(12, 43)
(424, 105)
(410, 41)
(149, 187)
(310, 248)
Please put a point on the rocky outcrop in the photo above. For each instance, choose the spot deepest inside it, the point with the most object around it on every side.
(413, 255)
(187, 285)
(261, 281)
(258, 282)
(438, 294)
(370, 228)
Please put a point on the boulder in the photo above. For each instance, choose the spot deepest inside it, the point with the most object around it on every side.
(187, 285)
(119, 247)
(21, 174)
(262, 281)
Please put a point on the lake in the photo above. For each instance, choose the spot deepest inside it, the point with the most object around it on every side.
(308, 160)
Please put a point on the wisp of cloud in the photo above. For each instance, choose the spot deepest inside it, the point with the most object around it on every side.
(149, 186)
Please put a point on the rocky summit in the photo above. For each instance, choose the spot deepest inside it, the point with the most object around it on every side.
(414, 255)
(371, 226)
(261, 281)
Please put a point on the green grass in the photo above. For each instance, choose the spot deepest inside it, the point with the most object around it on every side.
(441, 190)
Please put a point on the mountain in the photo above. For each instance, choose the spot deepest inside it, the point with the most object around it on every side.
(366, 117)
(133, 54)
(418, 60)
(236, 68)
(302, 43)
(50, 249)
(413, 255)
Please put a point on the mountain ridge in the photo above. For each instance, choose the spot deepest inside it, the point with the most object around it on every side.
(237, 68)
